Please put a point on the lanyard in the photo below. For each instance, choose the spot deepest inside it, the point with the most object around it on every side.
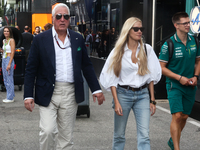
(59, 44)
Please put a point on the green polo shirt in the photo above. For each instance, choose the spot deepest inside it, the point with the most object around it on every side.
(183, 59)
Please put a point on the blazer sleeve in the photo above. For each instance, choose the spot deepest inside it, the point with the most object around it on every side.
(88, 70)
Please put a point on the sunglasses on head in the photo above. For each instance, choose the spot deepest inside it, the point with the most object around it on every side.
(59, 16)
(136, 29)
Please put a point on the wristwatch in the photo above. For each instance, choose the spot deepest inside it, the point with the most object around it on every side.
(153, 102)
(196, 77)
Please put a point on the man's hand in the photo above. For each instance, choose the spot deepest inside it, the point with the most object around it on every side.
(184, 81)
(100, 97)
(193, 81)
(29, 104)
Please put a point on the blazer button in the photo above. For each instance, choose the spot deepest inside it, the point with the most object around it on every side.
(53, 84)
(54, 75)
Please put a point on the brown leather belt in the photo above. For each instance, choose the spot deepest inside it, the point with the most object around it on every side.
(133, 89)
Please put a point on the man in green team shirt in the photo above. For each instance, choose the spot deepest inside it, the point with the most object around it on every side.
(182, 72)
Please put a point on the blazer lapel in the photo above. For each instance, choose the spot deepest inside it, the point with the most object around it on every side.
(49, 47)
(73, 46)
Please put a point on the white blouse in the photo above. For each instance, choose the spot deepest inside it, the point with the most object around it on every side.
(128, 74)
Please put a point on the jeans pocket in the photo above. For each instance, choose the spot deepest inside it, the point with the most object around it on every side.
(169, 86)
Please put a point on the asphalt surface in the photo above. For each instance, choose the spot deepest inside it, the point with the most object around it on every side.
(19, 128)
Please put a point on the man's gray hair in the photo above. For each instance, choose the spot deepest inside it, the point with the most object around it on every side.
(76, 28)
(60, 5)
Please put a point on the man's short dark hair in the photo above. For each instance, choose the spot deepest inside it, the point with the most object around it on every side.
(26, 28)
(177, 16)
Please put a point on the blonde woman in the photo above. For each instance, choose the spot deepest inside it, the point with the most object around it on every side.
(8, 51)
(128, 72)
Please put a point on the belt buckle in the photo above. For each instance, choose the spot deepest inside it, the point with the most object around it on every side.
(133, 89)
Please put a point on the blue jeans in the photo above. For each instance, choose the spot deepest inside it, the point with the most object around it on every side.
(138, 101)
(8, 78)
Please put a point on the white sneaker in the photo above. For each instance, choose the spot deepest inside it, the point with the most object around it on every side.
(7, 101)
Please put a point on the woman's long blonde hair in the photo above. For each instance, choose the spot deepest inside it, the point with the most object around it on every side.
(119, 50)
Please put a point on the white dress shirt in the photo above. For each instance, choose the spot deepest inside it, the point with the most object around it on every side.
(64, 66)
(129, 71)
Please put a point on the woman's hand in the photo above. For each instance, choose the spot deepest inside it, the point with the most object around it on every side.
(152, 109)
(118, 109)
(1, 50)
(8, 67)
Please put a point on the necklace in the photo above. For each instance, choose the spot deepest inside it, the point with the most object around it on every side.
(59, 44)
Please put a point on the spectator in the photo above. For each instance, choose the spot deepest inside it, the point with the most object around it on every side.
(89, 39)
(37, 30)
(97, 41)
(105, 43)
(8, 51)
(17, 27)
(76, 30)
(86, 33)
(113, 38)
(27, 40)
(48, 26)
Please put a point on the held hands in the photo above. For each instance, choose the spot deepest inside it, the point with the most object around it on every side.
(193, 81)
(100, 98)
(29, 104)
(185, 81)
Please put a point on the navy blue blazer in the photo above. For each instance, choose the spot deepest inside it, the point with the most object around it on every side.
(41, 71)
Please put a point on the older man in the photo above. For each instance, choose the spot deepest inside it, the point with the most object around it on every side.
(57, 59)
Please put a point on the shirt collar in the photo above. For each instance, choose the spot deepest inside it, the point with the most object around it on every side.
(126, 47)
(55, 33)
(177, 38)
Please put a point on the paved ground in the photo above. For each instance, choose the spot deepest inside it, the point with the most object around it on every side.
(19, 128)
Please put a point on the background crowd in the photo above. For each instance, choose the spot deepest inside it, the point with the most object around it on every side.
(101, 42)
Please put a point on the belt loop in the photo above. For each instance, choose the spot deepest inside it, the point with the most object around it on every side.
(128, 87)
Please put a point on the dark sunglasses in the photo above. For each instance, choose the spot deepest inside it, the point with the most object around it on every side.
(59, 16)
(136, 29)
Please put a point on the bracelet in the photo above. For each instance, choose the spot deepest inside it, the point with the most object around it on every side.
(180, 79)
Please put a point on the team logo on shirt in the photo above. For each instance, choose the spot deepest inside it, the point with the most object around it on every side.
(178, 52)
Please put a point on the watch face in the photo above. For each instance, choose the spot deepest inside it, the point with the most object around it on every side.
(153, 102)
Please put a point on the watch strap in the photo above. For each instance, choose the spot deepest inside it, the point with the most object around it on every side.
(153, 102)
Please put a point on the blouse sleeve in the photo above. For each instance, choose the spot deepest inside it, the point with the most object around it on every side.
(107, 77)
(153, 65)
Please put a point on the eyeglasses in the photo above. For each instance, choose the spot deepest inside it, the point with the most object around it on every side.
(136, 29)
(185, 23)
(59, 16)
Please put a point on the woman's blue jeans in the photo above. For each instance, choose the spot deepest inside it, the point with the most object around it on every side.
(8, 78)
(138, 101)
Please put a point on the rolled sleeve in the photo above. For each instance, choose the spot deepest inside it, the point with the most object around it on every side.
(107, 76)
(154, 67)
